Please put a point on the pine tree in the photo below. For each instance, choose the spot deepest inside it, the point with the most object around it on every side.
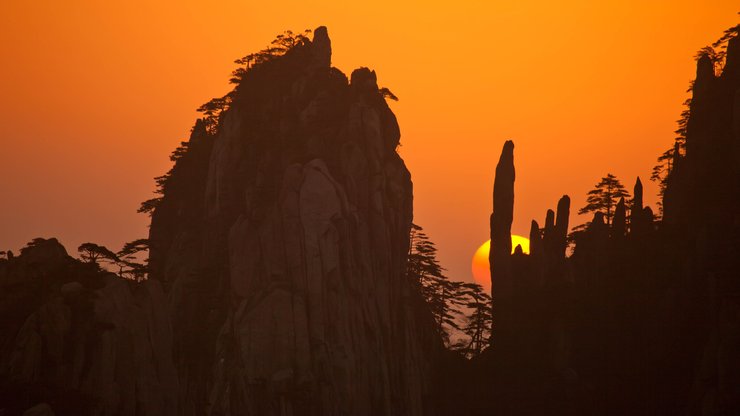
(130, 266)
(604, 197)
(460, 310)
(477, 324)
(441, 295)
(92, 253)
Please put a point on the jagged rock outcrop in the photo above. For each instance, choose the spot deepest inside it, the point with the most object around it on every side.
(554, 238)
(641, 218)
(535, 239)
(637, 196)
(285, 253)
(561, 226)
(619, 223)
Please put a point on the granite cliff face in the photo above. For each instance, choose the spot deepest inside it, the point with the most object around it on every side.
(282, 240)
(277, 268)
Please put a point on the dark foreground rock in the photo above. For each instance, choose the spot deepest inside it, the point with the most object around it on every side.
(644, 317)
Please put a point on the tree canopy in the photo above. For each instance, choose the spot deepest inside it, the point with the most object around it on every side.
(93, 253)
(477, 322)
(129, 266)
(604, 197)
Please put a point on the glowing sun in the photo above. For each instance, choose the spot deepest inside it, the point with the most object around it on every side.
(481, 269)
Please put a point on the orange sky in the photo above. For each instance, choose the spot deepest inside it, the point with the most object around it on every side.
(94, 95)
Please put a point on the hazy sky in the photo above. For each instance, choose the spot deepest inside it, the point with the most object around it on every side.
(94, 95)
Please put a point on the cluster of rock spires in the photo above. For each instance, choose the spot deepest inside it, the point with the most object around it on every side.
(644, 317)
(277, 269)
(277, 287)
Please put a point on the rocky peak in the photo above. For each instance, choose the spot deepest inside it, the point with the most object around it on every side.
(47, 251)
(731, 69)
(549, 220)
(704, 68)
(364, 80)
(619, 224)
(321, 47)
(287, 265)
(637, 192)
(535, 239)
(561, 226)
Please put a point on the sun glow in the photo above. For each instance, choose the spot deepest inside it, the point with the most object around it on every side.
(480, 266)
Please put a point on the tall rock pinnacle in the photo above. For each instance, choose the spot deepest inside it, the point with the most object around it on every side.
(637, 220)
(535, 239)
(321, 47)
(637, 192)
(561, 225)
(501, 219)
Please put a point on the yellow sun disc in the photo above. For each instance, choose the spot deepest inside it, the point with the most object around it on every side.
(481, 269)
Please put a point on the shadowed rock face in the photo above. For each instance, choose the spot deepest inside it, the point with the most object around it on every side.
(702, 204)
(284, 257)
(81, 339)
